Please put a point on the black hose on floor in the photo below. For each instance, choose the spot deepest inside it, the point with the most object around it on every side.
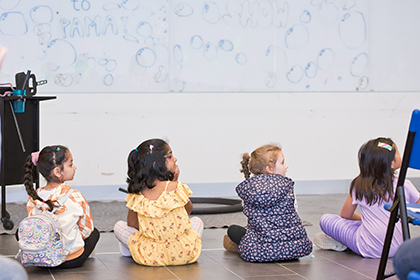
(228, 205)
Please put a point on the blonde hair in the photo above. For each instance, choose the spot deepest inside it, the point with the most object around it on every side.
(258, 160)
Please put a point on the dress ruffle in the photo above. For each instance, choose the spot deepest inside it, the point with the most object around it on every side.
(166, 202)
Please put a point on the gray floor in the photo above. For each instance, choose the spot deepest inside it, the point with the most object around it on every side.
(216, 263)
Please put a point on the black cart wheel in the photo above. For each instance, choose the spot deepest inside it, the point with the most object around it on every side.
(7, 224)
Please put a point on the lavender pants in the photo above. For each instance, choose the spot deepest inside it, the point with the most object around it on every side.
(342, 230)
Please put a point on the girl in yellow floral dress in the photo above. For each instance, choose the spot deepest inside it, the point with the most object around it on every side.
(158, 230)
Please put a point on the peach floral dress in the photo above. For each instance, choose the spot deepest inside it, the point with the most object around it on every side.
(164, 236)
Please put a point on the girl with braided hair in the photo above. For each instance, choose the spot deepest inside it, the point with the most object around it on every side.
(275, 231)
(55, 163)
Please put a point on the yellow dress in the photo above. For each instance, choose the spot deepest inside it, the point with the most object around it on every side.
(164, 236)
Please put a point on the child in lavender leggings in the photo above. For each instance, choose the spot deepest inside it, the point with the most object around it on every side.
(371, 189)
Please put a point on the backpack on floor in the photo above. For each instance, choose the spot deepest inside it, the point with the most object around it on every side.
(40, 239)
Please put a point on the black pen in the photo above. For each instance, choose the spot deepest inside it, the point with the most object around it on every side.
(26, 80)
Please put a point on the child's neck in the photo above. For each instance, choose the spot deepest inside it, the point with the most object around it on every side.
(51, 185)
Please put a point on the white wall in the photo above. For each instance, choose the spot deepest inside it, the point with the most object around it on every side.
(320, 133)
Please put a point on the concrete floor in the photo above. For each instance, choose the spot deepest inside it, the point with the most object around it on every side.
(216, 263)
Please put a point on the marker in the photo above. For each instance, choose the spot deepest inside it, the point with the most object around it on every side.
(26, 80)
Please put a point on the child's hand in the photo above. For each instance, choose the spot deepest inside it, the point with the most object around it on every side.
(176, 174)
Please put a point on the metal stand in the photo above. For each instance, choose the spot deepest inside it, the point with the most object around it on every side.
(19, 138)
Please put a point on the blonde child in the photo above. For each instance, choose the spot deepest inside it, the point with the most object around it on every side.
(371, 189)
(274, 231)
(158, 230)
(55, 163)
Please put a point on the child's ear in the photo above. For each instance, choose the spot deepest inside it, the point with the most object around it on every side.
(393, 165)
(269, 169)
(56, 172)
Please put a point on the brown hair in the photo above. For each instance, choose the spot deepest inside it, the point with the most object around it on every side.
(259, 159)
(374, 182)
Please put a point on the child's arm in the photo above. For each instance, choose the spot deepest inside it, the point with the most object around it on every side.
(132, 220)
(189, 207)
(85, 221)
(348, 209)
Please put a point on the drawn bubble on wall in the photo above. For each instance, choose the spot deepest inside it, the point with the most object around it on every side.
(211, 12)
(130, 5)
(60, 53)
(64, 80)
(328, 13)
(352, 30)
(210, 51)
(43, 31)
(177, 54)
(183, 10)
(12, 24)
(41, 14)
(108, 80)
(161, 74)
(225, 45)
(9, 4)
(176, 71)
(270, 80)
(196, 42)
(111, 7)
(78, 78)
(295, 74)
(241, 58)
(109, 64)
(311, 70)
(144, 29)
(180, 86)
(297, 36)
(325, 59)
(274, 59)
(131, 38)
(359, 65)
(145, 57)
(41, 54)
(305, 17)
(363, 83)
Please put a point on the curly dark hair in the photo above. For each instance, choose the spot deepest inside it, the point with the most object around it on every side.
(147, 163)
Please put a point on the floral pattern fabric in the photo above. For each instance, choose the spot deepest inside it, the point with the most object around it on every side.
(164, 236)
(275, 230)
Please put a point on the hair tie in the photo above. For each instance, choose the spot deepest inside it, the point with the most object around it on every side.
(150, 148)
(137, 150)
(58, 149)
(35, 157)
(385, 146)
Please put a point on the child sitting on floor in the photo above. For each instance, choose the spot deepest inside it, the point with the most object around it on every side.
(55, 163)
(158, 230)
(371, 189)
(275, 231)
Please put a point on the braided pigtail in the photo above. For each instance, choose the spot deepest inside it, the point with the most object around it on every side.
(28, 182)
(245, 165)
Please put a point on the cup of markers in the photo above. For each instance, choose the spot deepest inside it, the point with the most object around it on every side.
(19, 104)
